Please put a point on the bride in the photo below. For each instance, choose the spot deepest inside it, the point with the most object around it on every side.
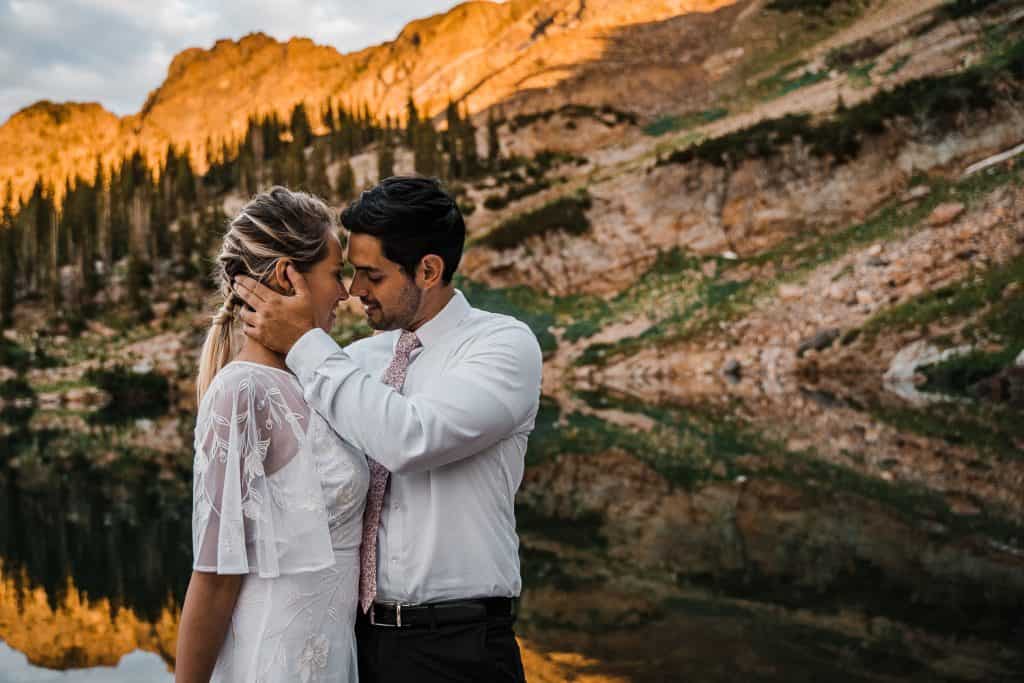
(278, 496)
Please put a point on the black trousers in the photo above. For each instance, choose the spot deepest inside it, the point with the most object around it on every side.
(483, 651)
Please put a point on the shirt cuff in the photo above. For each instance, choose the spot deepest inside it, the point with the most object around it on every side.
(309, 353)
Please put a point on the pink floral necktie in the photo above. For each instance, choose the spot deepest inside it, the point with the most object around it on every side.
(394, 377)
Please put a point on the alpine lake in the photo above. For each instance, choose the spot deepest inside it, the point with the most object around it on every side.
(794, 535)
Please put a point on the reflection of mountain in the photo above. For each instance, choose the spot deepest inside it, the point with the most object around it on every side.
(78, 506)
(73, 631)
(676, 529)
(750, 549)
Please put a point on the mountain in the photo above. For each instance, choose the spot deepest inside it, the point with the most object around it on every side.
(545, 53)
(51, 141)
(772, 251)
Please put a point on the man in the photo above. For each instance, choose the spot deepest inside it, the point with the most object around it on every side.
(450, 423)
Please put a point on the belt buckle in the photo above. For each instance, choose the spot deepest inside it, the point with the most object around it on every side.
(398, 615)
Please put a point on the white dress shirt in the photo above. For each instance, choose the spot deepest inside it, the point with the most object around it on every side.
(454, 440)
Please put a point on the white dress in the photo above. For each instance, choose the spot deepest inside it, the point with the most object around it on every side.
(279, 497)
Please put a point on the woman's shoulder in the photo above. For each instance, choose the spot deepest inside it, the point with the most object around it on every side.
(244, 378)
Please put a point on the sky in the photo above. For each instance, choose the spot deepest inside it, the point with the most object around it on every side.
(116, 51)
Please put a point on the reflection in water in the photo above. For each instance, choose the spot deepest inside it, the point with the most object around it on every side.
(77, 632)
(676, 547)
(134, 667)
(85, 505)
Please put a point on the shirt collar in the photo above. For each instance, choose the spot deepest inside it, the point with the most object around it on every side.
(447, 319)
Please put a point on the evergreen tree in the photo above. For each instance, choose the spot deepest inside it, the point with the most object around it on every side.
(319, 182)
(385, 160)
(53, 269)
(36, 217)
(412, 122)
(467, 145)
(183, 180)
(186, 245)
(8, 258)
(302, 131)
(493, 142)
(103, 237)
(295, 166)
(89, 212)
(330, 121)
(425, 150)
(346, 180)
(137, 283)
(450, 141)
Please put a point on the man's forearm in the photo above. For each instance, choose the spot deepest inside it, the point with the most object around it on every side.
(483, 399)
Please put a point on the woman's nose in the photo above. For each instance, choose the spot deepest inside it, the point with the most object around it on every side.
(344, 293)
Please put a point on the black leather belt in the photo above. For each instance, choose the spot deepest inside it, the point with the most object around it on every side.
(397, 615)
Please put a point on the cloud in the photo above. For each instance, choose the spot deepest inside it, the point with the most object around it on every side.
(117, 51)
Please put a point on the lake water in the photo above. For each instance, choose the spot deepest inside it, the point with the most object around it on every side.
(810, 537)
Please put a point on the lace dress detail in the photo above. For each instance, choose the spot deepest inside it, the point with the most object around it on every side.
(278, 496)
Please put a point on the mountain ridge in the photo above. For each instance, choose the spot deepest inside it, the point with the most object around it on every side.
(477, 53)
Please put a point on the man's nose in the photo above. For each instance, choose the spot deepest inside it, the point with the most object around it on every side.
(357, 288)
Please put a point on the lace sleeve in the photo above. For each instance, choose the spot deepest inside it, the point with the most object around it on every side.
(257, 502)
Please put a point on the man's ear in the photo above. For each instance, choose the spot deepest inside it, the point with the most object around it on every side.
(279, 280)
(431, 270)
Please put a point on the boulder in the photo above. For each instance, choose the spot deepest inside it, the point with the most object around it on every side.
(1006, 386)
(85, 398)
(820, 341)
(789, 292)
(946, 213)
(916, 192)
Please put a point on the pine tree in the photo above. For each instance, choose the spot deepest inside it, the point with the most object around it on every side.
(302, 131)
(184, 180)
(425, 150)
(346, 180)
(332, 116)
(412, 122)
(8, 258)
(295, 166)
(186, 245)
(450, 141)
(103, 237)
(385, 160)
(467, 145)
(53, 269)
(89, 211)
(319, 182)
(493, 141)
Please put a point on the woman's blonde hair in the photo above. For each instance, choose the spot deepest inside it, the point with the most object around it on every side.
(274, 225)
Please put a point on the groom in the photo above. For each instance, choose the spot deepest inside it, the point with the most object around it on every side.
(442, 402)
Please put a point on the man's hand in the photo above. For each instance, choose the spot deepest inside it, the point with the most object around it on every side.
(277, 321)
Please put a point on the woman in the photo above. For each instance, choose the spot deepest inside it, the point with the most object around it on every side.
(278, 497)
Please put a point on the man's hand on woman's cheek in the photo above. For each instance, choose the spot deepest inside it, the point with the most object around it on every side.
(275, 320)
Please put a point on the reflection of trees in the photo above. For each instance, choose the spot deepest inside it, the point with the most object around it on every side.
(74, 507)
(706, 501)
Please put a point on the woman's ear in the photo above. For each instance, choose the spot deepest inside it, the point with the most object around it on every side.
(280, 279)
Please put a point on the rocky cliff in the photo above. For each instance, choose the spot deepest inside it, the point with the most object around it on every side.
(538, 53)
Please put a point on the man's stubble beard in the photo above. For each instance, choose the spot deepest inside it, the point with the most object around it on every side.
(408, 302)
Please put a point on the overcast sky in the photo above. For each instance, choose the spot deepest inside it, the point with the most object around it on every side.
(116, 51)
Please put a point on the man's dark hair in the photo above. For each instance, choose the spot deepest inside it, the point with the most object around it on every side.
(412, 217)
